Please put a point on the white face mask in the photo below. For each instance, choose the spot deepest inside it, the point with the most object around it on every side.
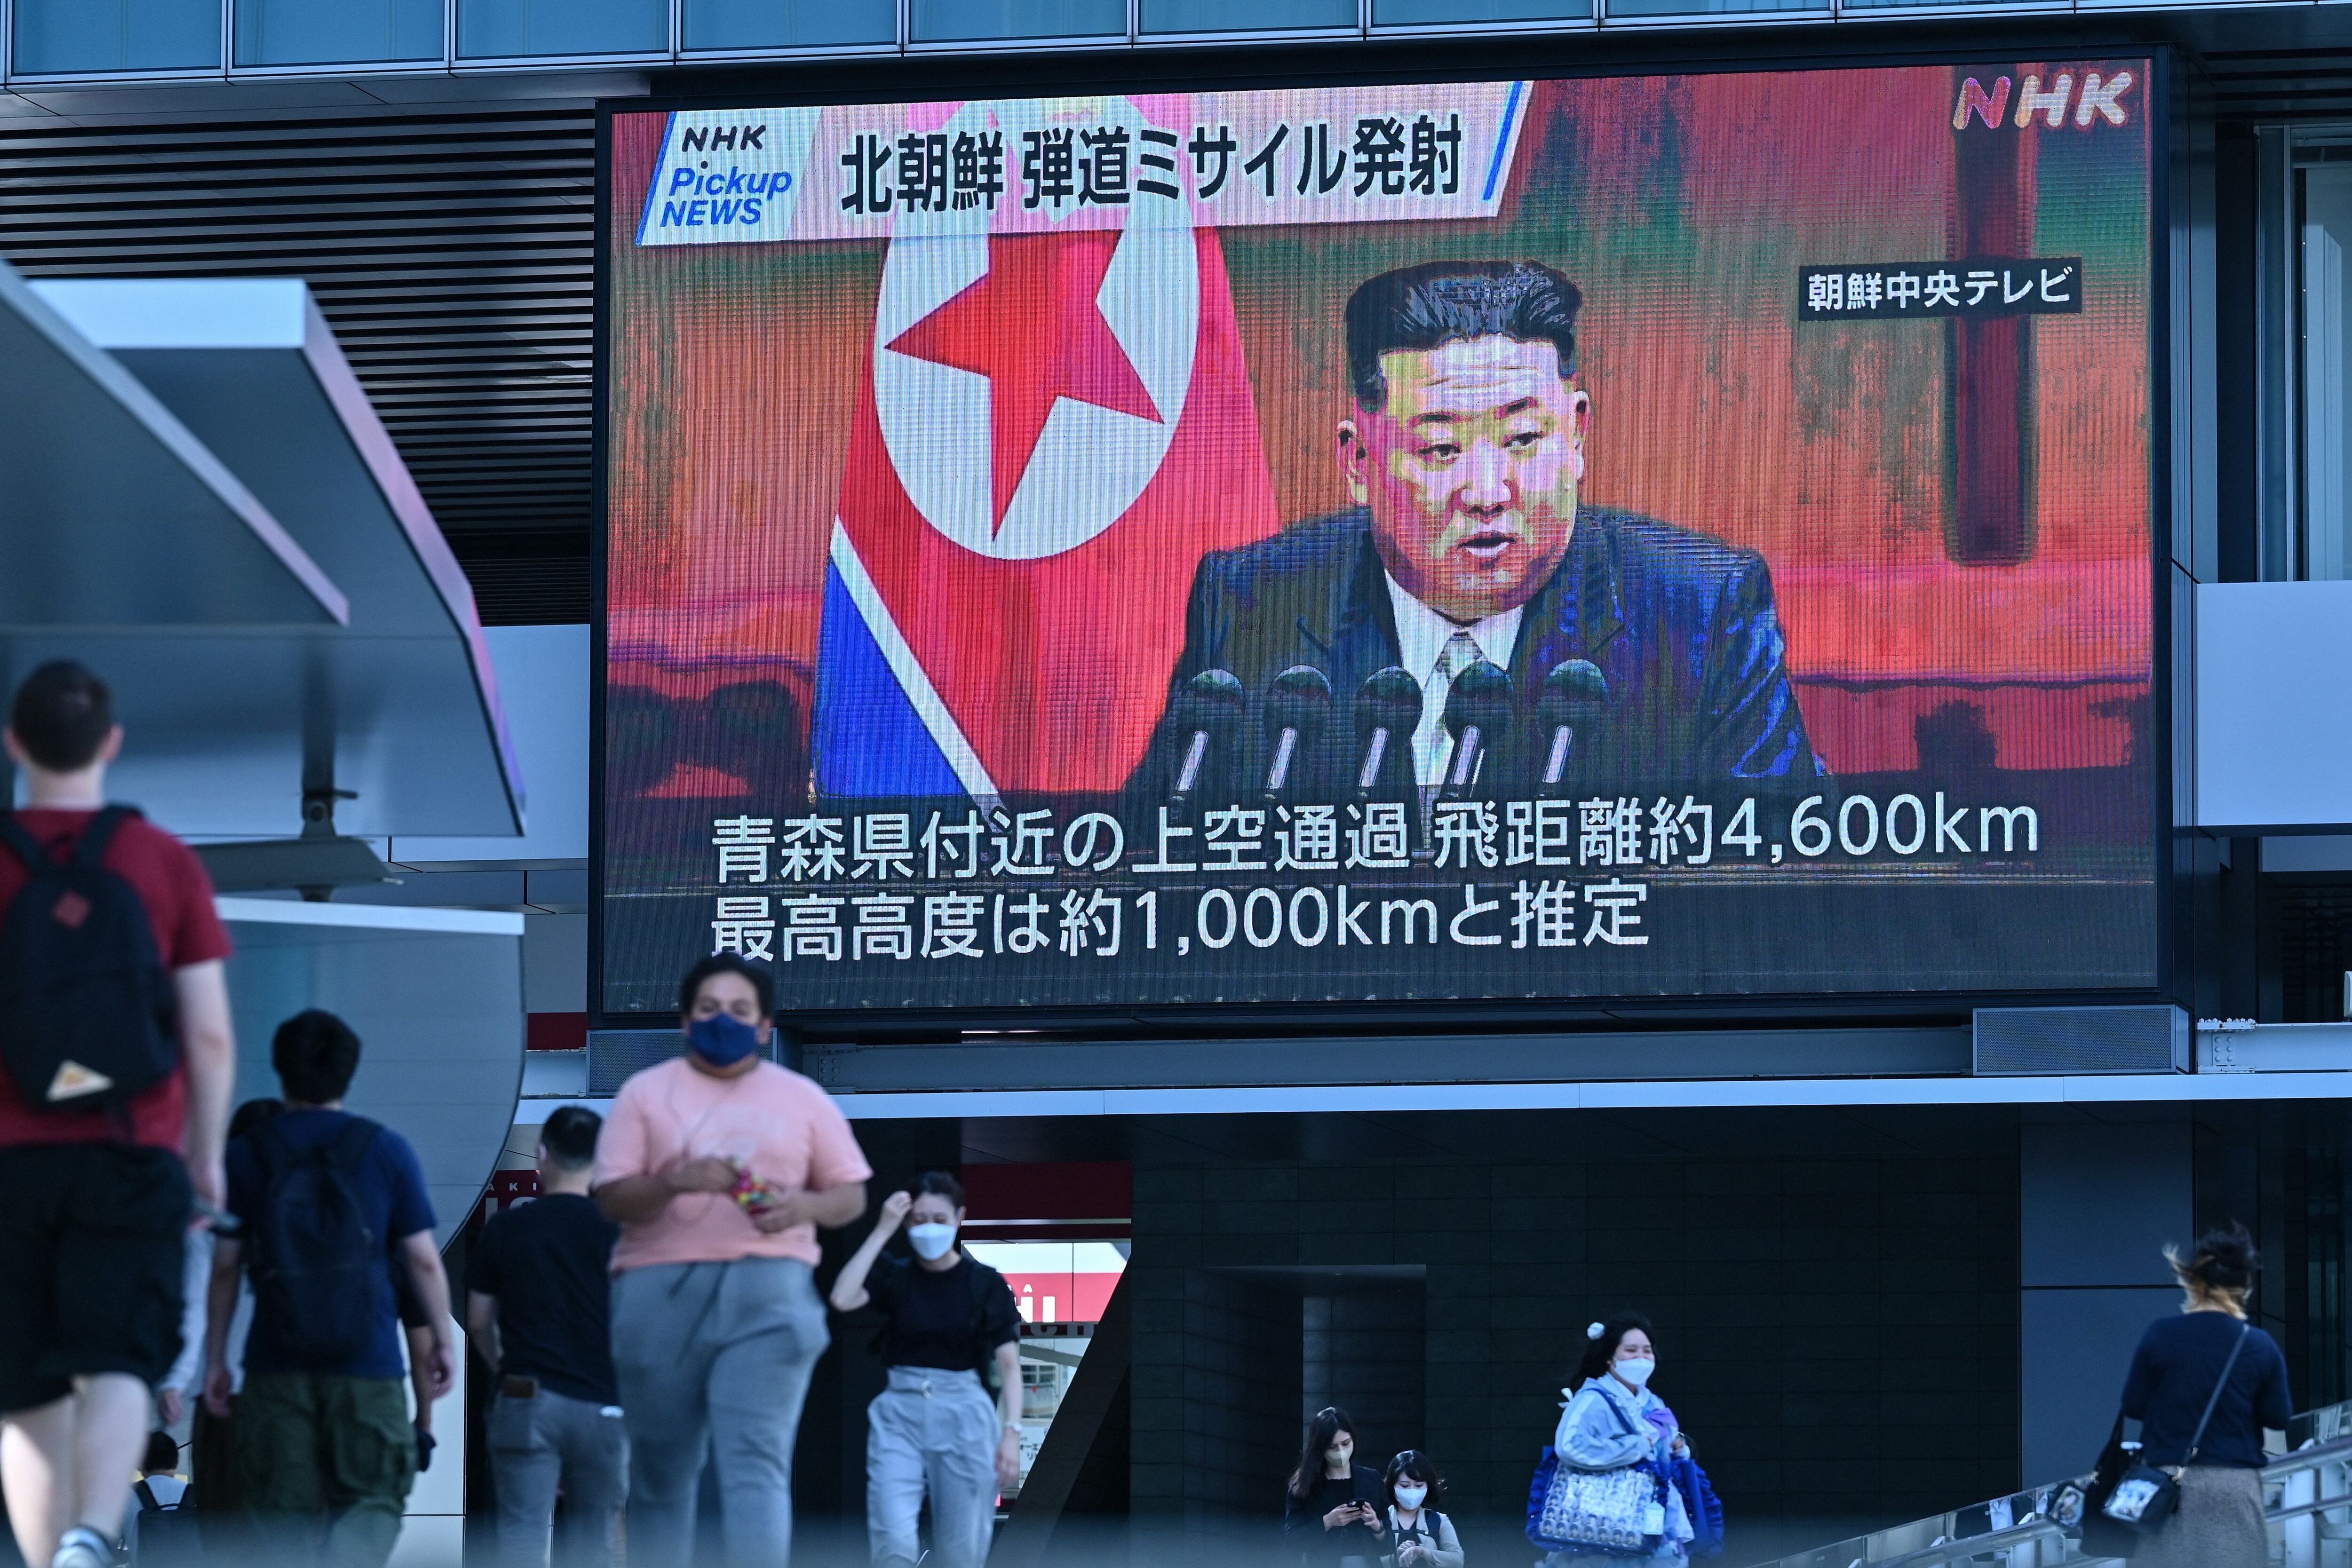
(1409, 1497)
(930, 1241)
(1637, 1371)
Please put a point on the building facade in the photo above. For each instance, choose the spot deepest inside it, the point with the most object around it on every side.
(1886, 1140)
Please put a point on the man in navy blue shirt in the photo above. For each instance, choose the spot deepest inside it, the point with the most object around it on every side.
(325, 1451)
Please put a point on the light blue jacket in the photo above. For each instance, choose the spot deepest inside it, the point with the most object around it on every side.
(1591, 1439)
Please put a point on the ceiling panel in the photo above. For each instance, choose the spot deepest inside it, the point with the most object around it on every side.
(453, 253)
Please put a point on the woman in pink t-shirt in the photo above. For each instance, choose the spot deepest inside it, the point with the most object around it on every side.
(720, 1166)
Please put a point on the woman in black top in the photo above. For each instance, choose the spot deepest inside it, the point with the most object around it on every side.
(1334, 1511)
(2173, 1374)
(945, 1316)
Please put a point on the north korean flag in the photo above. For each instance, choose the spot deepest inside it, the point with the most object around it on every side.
(1056, 424)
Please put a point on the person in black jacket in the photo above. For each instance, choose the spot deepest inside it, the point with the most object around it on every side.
(1335, 1512)
(2174, 1374)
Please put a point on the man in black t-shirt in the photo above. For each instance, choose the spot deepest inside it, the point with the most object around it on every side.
(536, 1305)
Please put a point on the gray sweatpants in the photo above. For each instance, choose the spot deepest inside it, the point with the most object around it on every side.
(549, 1439)
(937, 1431)
(714, 1358)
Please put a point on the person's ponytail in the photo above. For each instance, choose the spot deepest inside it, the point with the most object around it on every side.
(2219, 1270)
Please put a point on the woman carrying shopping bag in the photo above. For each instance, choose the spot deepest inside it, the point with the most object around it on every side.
(1605, 1487)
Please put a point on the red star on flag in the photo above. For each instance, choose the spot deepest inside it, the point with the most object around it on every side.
(1031, 326)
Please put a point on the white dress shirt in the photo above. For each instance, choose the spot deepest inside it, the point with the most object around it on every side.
(1422, 636)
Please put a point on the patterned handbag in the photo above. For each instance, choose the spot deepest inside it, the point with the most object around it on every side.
(1613, 1513)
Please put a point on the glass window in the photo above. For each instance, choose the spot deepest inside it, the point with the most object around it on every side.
(1257, 15)
(488, 27)
(1886, 4)
(1407, 13)
(2326, 367)
(937, 20)
(117, 35)
(1708, 7)
(782, 23)
(328, 32)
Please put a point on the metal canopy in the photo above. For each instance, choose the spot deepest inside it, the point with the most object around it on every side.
(229, 728)
(111, 514)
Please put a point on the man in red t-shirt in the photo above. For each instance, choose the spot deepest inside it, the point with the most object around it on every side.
(95, 1203)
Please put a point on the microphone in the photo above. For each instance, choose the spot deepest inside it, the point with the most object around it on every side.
(1387, 704)
(1297, 710)
(1574, 695)
(1477, 713)
(1210, 706)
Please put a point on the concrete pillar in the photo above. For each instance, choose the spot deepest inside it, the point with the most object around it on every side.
(2101, 1191)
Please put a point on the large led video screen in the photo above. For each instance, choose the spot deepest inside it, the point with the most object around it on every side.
(1628, 538)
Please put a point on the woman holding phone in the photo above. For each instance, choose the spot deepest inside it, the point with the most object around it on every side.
(1334, 1511)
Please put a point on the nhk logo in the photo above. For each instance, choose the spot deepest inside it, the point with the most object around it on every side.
(2099, 98)
(722, 138)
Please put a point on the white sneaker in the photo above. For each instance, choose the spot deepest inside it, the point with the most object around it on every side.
(82, 1547)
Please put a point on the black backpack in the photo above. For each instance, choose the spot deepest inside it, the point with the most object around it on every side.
(170, 1534)
(316, 1269)
(88, 1017)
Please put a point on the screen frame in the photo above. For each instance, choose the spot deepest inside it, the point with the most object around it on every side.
(924, 79)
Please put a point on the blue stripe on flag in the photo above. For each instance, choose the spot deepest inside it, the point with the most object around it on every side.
(1501, 140)
(866, 738)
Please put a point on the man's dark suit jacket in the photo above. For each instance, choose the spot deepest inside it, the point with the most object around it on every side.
(1680, 624)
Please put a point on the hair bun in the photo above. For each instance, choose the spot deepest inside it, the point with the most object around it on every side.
(2227, 1259)
(1593, 1331)
(2222, 1260)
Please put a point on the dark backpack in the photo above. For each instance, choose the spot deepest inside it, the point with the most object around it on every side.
(170, 1534)
(88, 1017)
(319, 1266)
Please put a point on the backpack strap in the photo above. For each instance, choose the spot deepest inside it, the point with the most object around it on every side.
(1622, 1419)
(270, 1153)
(270, 1149)
(344, 1156)
(18, 841)
(95, 838)
(147, 1502)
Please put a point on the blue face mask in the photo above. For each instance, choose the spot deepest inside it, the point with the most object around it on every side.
(722, 1039)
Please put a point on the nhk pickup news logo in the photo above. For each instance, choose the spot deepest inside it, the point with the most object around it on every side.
(727, 175)
(2059, 99)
